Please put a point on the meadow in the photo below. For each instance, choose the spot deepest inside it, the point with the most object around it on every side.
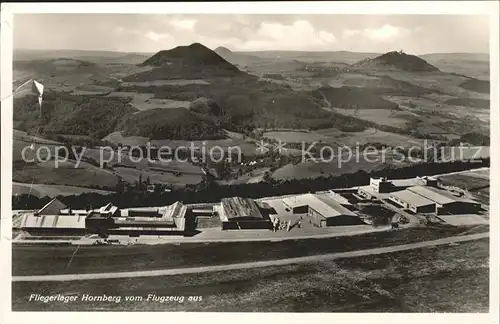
(42, 190)
(294, 136)
(440, 279)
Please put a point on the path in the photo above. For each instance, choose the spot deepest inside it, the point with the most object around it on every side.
(249, 265)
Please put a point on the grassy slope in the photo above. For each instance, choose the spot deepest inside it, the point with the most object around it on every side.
(444, 279)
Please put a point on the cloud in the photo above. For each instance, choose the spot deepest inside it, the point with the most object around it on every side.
(156, 37)
(183, 24)
(149, 33)
(385, 33)
(348, 33)
(299, 35)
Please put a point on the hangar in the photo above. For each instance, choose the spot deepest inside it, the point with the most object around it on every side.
(243, 213)
(324, 211)
(412, 201)
(446, 202)
(54, 219)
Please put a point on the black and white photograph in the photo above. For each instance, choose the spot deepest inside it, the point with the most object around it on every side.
(268, 162)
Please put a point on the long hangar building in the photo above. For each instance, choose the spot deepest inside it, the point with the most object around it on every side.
(425, 199)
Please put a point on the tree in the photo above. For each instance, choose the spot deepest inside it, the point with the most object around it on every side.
(120, 186)
(267, 177)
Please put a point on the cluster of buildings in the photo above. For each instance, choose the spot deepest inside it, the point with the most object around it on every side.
(55, 218)
(418, 195)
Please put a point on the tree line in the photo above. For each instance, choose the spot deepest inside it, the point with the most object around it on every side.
(211, 192)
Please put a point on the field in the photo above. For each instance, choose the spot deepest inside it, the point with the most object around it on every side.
(441, 279)
(157, 171)
(272, 66)
(247, 147)
(159, 103)
(32, 145)
(118, 138)
(41, 190)
(254, 176)
(465, 153)
(476, 182)
(350, 79)
(146, 101)
(316, 169)
(467, 180)
(386, 117)
(20, 136)
(445, 83)
(131, 175)
(92, 90)
(294, 136)
(432, 114)
(83, 176)
(159, 83)
(368, 136)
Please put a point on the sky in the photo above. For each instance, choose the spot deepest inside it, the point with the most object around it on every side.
(419, 34)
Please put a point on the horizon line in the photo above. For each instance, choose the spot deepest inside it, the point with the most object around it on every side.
(235, 50)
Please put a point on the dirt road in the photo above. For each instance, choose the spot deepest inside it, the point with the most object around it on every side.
(248, 265)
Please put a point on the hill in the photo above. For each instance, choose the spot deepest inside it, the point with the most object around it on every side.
(186, 62)
(221, 50)
(399, 61)
(69, 114)
(193, 54)
(237, 58)
(177, 123)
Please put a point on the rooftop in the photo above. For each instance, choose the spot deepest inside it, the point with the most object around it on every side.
(324, 205)
(412, 198)
(369, 190)
(176, 210)
(338, 198)
(53, 221)
(53, 207)
(438, 195)
(237, 207)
